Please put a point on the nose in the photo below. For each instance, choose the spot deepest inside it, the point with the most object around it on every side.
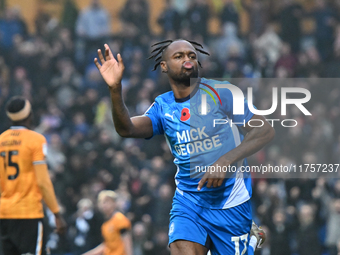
(186, 58)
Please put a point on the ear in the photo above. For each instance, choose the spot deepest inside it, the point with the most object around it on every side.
(164, 67)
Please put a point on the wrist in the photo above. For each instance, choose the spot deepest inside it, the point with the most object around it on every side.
(115, 89)
(226, 162)
(57, 215)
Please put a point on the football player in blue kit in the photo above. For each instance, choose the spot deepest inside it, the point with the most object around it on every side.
(211, 210)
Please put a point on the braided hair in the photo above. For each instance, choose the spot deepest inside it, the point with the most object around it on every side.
(157, 53)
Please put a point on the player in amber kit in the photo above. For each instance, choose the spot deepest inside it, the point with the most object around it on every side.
(24, 183)
(115, 231)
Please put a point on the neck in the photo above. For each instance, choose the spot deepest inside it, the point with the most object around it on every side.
(21, 124)
(181, 90)
(110, 214)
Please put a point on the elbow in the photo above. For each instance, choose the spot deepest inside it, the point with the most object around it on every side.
(41, 187)
(270, 134)
(124, 133)
(44, 187)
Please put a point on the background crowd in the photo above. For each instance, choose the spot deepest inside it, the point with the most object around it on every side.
(54, 69)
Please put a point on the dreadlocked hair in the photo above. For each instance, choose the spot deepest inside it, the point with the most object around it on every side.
(158, 52)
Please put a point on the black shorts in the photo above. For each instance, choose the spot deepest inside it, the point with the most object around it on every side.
(23, 236)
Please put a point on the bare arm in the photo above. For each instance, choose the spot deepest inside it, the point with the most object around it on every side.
(112, 72)
(137, 127)
(127, 240)
(96, 251)
(255, 139)
(46, 187)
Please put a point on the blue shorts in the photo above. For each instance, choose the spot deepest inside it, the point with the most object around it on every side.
(224, 231)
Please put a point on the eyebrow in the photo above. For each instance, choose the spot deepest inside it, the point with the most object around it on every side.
(181, 52)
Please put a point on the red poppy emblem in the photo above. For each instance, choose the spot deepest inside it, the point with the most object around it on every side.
(185, 114)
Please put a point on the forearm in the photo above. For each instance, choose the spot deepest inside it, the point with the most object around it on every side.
(50, 198)
(96, 251)
(46, 188)
(120, 114)
(135, 127)
(254, 141)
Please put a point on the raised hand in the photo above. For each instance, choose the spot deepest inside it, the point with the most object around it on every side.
(110, 69)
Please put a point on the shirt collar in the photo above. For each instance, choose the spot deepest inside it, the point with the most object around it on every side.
(17, 127)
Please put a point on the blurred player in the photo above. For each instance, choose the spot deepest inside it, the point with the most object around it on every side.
(210, 210)
(115, 231)
(24, 182)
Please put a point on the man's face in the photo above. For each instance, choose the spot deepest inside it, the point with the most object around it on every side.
(180, 62)
(107, 205)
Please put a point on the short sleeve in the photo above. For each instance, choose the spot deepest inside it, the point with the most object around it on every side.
(154, 114)
(39, 150)
(123, 222)
(228, 106)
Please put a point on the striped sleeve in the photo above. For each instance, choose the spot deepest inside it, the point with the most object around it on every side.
(154, 114)
(39, 162)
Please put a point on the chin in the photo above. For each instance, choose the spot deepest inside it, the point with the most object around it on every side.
(185, 77)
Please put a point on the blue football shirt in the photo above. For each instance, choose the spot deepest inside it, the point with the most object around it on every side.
(197, 143)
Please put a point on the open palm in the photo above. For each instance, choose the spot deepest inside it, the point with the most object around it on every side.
(110, 69)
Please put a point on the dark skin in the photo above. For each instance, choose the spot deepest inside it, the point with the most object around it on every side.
(180, 63)
(24, 123)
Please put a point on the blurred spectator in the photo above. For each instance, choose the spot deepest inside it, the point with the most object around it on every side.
(198, 16)
(260, 13)
(55, 156)
(161, 241)
(229, 13)
(66, 83)
(325, 24)
(10, 25)
(92, 29)
(333, 223)
(139, 238)
(287, 60)
(20, 84)
(86, 223)
(181, 6)
(169, 19)
(269, 44)
(279, 235)
(290, 18)
(163, 205)
(228, 42)
(69, 15)
(307, 235)
(93, 23)
(135, 16)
